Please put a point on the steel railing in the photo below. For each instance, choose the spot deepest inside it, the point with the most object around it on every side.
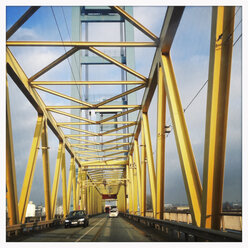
(185, 232)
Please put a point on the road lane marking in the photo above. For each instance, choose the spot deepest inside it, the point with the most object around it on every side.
(89, 230)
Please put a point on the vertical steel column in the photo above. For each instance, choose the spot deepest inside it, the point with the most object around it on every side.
(92, 199)
(84, 190)
(220, 63)
(135, 190)
(131, 203)
(12, 201)
(187, 160)
(77, 195)
(63, 174)
(143, 171)
(128, 185)
(88, 198)
(161, 112)
(80, 176)
(56, 178)
(137, 162)
(74, 187)
(46, 171)
(125, 191)
(149, 154)
(70, 184)
(29, 174)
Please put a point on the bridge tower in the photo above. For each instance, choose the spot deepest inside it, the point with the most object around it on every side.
(82, 17)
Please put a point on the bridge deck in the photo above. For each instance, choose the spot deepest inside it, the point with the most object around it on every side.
(101, 229)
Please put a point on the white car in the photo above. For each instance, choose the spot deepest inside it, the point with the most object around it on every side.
(113, 213)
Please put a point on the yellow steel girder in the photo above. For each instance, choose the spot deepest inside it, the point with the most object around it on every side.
(143, 173)
(80, 44)
(187, 160)
(161, 112)
(220, 62)
(46, 171)
(56, 178)
(29, 174)
(150, 161)
(12, 200)
(137, 163)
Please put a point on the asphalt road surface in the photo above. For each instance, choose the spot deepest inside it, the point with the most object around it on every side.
(101, 229)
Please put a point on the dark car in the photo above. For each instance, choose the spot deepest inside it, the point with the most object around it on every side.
(77, 218)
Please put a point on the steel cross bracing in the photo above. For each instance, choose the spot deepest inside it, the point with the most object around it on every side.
(106, 167)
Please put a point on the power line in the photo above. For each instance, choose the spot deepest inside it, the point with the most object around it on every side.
(66, 24)
(65, 52)
(206, 80)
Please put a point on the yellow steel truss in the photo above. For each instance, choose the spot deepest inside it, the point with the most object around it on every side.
(88, 186)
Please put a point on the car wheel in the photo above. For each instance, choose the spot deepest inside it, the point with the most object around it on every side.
(65, 226)
(88, 223)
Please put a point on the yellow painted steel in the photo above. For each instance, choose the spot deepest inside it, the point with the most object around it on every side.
(12, 200)
(161, 115)
(121, 199)
(120, 138)
(56, 178)
(87, 83)
(16, 73)
(117, 129)
(129, 189)
(74, 183)
(81, 189)
(69, 186)
(29, 174)
(187, 160)
(138, 171)
(81, 130)
(80, 44)
(104, 123)
(84, 140)
(112, 162)
(168, 31)
(109, 144)
(85, 107)
(143, 173)
(73, 116)
(88, 199)
(62, 95)
(134, 22)
(46, 171)
(77, 195)
(63, 174)
(131, 178)
(115, 149)
(119, 96)
(84, 189)
(150, 161)
(54, 63)
(122, 66)
(135, 190)
(106, 167)
(118, 115)
(220, 63)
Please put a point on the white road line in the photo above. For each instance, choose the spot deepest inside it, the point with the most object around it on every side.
(90, 230)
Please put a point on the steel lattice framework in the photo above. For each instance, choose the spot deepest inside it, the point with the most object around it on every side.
(127, 173)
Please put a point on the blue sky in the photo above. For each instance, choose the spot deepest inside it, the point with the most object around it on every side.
(190, 56)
